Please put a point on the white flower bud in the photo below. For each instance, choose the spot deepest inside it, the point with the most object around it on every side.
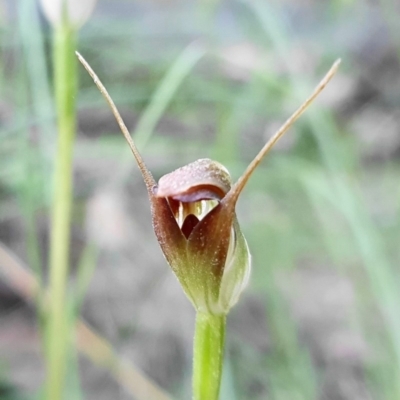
(78, 11)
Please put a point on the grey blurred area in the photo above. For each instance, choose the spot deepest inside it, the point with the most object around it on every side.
(309, 323)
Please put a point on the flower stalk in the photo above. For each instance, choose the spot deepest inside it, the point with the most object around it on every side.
(58, 329)
(194, 219)
(208, 354)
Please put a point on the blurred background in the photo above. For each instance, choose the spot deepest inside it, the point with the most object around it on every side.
(321, 316)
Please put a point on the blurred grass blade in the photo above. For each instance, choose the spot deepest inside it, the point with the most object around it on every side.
(85, 271)
(32, 39)
(165, 92)
(162, 98)
(366, 235)
(101, 353)
(36, 159)
(58, 330)
(370, 244)
(16, 275)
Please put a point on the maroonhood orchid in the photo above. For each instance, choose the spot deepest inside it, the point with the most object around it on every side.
(207, 250)
(194, 219)
(193, 212)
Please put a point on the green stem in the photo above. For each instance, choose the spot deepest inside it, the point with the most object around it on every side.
(59, 328)
(208, 354)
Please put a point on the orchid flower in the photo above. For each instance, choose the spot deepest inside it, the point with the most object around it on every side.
(194, 219)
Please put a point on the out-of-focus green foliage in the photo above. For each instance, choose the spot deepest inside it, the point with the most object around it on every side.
(321, 215)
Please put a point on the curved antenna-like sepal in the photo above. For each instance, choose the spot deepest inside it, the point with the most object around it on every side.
(147, 176)
(234, 193)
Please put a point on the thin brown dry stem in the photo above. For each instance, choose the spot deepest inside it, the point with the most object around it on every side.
(239, 185)
(17, 276)
(147, 176)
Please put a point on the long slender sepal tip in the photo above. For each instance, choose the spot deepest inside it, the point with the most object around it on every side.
(239, 185)
(148, 178)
